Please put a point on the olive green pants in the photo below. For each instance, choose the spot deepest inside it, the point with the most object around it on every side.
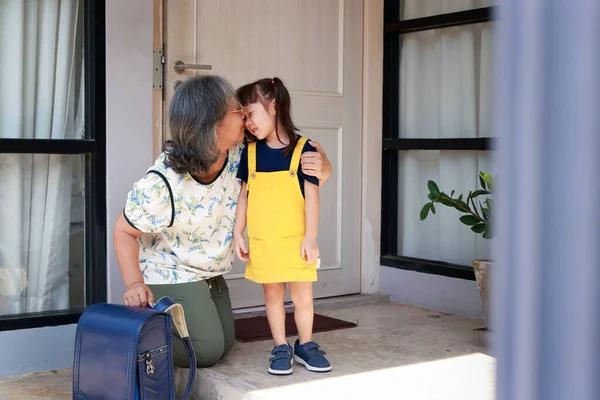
(208, 316)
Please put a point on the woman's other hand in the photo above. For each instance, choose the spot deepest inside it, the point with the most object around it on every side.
(138, 294)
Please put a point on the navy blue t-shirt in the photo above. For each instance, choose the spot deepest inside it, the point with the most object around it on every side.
(273, 160)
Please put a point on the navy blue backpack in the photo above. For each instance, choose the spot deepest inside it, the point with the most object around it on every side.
(124, 353)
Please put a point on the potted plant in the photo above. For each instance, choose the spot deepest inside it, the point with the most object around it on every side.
(476, 212)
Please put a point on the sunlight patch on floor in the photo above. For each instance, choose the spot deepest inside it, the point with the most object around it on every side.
(467, 377)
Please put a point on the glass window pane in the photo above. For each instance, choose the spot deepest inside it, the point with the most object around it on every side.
(42, 249)
(446, 79)
(441, 236)
(41, 80)
(410, 9)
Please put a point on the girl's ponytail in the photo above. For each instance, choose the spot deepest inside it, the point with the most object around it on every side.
(283, 113)
(276, 96)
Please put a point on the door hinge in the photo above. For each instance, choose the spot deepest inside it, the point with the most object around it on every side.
(158, 61)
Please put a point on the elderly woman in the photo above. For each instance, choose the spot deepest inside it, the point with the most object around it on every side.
(174, 237)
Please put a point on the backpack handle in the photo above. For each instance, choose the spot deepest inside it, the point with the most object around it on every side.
(166, 304)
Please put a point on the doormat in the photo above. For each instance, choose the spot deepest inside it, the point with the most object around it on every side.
(257, 328)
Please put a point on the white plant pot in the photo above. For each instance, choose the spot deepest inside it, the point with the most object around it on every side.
(482, 269)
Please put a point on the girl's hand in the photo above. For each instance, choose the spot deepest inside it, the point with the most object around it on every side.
(138, 295)
(240, 247)
(309, 250)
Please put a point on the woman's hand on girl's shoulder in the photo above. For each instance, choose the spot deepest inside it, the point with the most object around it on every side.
(312, 161)
(315, 163)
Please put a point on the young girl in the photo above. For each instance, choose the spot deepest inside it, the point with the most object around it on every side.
(281, 206)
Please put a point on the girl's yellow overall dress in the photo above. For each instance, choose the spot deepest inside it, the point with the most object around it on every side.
(276, 223)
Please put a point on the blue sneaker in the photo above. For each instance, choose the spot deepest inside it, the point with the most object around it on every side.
(309, 355)
(281, 360)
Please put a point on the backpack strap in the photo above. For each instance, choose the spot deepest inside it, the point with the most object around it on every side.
(166, 304)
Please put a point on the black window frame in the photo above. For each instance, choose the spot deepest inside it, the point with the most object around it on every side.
(94, 149)
(394, 26)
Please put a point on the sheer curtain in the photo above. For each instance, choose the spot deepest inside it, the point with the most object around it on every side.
(445, 92)
(40, 98)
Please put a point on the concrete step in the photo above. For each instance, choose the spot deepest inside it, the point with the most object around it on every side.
(400, 351)
(213, 385)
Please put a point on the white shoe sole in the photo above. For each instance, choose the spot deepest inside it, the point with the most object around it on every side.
(310, 367)
(282, 372)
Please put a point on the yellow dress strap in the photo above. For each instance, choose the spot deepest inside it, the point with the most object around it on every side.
(251, 163)
(251, 158)
(297, 153)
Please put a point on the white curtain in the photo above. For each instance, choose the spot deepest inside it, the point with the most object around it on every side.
(445, 92)
(425, 8)
(40, 98)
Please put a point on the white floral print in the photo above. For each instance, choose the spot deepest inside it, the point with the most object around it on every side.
(192, 240)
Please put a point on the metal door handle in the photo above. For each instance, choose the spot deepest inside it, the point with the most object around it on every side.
(180, 66)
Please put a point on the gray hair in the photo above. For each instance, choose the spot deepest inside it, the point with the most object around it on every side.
(198, 106)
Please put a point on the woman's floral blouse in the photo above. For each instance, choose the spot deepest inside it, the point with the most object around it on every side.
(188, 224)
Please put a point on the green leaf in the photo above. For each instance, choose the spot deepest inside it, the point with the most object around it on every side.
(461, 206)
(452, 193)
(478, 228)
(460, 197)
(446, 201)
(432, 208)
(482, 181)
(469, 219)
(488, 179)
(486, 213)
(488, 233)
(433, 188)
(433, 197)
(479, 193)
(425, 210)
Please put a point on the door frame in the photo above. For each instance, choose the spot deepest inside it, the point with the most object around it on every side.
(372, 107)
(372, 138)
(157, 92)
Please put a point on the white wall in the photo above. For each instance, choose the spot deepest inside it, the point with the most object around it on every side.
(129, 154)
(40, 349)
(432, 292)
(128, 111)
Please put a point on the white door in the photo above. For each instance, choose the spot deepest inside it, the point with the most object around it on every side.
(315, 47)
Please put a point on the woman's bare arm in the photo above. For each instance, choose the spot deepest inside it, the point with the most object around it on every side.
(127, 251)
